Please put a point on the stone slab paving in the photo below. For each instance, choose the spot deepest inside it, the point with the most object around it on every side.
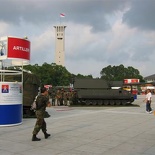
(86, 131)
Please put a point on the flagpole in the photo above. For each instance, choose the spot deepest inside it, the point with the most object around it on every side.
(60, 20)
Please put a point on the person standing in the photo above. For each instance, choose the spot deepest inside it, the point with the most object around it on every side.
(41, 103)
(62, 96)
(65, 97)
(53, 97)
(58, 97)
(148, 101)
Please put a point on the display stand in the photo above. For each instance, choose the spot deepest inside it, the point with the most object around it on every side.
(10, 99)
(14, 51)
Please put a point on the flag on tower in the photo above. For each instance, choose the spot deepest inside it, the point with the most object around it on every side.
(62, 15)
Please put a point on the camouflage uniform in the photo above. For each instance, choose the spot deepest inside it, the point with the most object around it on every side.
(53, 98)
(58, 97)
(61, 97)
(70, 97)
(65, 97)
(41, 103)
(73, 97)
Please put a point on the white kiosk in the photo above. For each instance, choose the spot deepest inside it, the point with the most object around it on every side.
(13, 52)
(10, 100)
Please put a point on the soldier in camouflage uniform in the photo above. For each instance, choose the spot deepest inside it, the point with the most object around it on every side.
(41, 103)
(61, 96)
(53, 97)
(65, 97)
(70, 97)
(58, 97)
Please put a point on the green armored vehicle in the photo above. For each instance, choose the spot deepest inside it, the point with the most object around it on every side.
(100, 92)
(31, 84)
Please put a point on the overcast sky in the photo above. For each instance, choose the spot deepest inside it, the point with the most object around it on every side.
(98, 33)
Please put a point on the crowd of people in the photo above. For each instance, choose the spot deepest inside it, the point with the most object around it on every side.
(61, 97)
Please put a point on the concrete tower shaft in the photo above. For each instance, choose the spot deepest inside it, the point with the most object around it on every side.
(60, 45)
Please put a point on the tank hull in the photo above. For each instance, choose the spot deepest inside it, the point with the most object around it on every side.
(99, 92)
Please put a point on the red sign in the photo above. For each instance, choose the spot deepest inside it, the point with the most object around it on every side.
(131, 80)
(18, 48)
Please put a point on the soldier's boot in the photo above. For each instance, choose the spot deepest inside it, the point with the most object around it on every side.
(46, 135)
(34, 138)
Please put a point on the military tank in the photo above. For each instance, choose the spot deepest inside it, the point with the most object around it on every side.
(99, 92)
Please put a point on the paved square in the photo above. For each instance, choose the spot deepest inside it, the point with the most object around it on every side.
(86, 131)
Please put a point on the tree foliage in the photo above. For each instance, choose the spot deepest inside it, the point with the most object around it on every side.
(119, 73)
(56, 75)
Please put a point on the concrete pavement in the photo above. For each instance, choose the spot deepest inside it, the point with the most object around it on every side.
(86, 131)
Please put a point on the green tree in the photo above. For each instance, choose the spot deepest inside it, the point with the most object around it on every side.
(50, 74)
(56, 75)
(119, 73)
